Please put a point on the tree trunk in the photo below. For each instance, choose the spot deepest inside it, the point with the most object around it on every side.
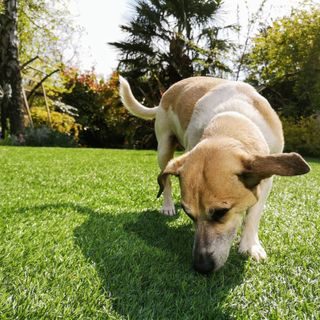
(10, 76)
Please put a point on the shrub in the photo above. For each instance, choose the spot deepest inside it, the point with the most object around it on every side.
(9, 141)
(44, 136)
(302, 135)
(60, 122)
(105, 122)
(40, 137)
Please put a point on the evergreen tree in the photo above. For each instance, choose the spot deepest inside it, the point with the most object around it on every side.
(169, 40)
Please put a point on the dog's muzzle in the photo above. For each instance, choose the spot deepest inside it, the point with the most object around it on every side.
(211, 251)
(204, 263)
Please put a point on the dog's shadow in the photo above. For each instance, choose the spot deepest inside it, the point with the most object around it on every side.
(144, 261)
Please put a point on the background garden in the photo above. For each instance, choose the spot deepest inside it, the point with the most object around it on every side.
(165, 41)
(81, 237)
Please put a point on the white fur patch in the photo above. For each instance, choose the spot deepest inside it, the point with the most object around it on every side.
(225, 98)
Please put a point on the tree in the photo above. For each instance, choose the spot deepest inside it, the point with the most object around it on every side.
(169, 40)
(10, 76)
(285, 61)
(39, 22)
(49, 22)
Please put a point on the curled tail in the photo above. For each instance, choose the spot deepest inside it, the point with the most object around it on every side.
(134, 106)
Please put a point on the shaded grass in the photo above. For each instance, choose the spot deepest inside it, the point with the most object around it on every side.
(81, 240)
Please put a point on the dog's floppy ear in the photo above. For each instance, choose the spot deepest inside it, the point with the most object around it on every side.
(282, 164)
(173, 167)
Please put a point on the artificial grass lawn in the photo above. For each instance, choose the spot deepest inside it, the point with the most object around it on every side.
(81, 239)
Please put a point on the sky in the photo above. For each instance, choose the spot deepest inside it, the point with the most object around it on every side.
(100, 21)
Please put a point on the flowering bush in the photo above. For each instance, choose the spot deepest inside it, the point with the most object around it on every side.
(60, 122)
(105, 122)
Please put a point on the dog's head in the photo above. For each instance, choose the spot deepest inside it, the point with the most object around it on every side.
(218, 182)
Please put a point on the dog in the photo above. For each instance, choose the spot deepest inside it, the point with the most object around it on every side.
(234, 145)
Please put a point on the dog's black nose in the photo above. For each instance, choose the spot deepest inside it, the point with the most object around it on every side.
(204, 264)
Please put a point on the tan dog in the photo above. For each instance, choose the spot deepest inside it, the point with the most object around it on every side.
(234, 144)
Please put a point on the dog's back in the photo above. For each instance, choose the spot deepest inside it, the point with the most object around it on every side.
(188, 106)
(182, 97)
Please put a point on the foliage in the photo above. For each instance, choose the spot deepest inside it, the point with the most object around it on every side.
(9, 140)
(169, 40)
(285, 60)
(105, 122)
(302, 135)
(60, 122)
(89, 95)
(50, 23)
(44, 21)
(82, 239)
(64, 108)
(245, 36)
(47, 137)
(40, 137)
(39, 22)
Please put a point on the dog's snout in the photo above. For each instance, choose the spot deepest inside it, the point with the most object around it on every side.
(204, 264)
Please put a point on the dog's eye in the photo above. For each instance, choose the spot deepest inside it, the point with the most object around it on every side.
(249, 180)
(187, 211)
(217, 214)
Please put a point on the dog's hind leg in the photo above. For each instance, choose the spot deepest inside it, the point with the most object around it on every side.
(166, 147)
(250, 242)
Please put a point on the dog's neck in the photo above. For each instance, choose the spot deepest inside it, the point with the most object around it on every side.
(235, 126)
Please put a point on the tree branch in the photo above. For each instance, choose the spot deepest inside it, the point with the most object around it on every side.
(28, 62)
(40, 82)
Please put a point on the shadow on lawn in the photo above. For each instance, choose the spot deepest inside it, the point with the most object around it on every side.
(145, 266)
(144, 262)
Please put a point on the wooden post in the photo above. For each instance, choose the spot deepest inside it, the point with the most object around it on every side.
(47, 104)
(27, 106)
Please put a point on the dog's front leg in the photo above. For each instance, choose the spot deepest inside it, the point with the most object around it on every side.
(168, 208)
(250, 242)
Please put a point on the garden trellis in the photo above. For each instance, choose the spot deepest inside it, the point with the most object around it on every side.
(30, 87)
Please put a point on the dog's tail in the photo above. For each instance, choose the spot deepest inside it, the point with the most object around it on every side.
(134, 106)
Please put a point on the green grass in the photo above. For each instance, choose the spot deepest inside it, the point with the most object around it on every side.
(81, 239)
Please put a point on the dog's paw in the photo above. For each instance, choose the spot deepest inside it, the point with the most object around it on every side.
(168, 210)
(255, 250)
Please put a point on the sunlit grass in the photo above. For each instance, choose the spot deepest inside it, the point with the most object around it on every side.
(81, 239)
